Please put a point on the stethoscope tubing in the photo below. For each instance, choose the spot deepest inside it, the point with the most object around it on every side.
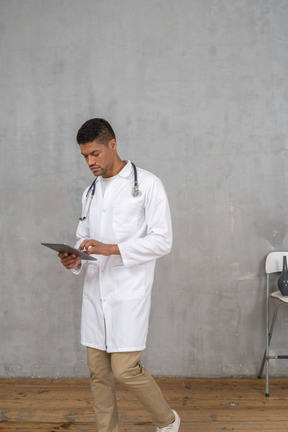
(135, 191)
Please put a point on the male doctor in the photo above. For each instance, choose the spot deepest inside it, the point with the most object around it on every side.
(126, 232)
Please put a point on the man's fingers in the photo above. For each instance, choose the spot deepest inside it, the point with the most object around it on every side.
(68, 258)
(86, 244)
(62, 254)
(69, 261)
(93, 249)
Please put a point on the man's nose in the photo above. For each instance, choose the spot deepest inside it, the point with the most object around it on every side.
(91, 160)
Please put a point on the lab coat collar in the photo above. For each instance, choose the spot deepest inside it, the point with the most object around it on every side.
(126, 171)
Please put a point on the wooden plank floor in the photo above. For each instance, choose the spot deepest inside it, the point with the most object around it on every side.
(53, 405)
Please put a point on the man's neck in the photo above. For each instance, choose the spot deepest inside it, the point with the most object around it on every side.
(117, 168)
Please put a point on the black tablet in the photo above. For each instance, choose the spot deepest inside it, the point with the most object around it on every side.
(62, 247)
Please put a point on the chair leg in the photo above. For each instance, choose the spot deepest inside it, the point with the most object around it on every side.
(262, 365)
(267, 379)
(266, 353)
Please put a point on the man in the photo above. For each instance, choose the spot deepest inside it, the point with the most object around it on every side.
(126, 227)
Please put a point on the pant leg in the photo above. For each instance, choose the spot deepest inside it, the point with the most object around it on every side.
(128, 370)
(102, 387)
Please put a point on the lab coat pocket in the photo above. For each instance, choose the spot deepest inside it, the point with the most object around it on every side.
(127, 220)
(128, 282)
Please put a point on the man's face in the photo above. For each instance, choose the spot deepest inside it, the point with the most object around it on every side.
(100, 157)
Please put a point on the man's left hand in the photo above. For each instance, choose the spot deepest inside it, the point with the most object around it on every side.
(95, 247)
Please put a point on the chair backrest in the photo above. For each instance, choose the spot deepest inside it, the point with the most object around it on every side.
(274, 262)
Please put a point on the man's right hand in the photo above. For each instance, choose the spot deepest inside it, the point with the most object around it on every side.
(70, 261)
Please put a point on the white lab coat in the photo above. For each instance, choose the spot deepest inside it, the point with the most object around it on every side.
(117, 289)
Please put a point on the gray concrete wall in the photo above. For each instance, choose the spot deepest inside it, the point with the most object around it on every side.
(197, 92)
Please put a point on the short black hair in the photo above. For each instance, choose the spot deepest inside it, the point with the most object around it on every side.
(96, 128)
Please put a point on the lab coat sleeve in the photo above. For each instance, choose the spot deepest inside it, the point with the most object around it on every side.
(158, 240)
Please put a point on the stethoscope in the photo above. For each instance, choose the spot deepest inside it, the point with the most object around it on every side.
(135, 192)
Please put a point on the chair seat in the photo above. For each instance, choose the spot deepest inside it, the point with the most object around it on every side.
(277, 295)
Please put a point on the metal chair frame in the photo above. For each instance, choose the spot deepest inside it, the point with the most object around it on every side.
(273, 264)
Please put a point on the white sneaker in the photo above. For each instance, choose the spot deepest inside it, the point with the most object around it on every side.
(173, 427)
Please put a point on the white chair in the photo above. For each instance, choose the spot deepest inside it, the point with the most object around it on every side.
(273, 264)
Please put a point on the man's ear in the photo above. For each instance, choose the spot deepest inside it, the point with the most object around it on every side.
(113, 144)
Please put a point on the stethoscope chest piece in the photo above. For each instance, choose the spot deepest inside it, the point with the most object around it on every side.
(135, 191)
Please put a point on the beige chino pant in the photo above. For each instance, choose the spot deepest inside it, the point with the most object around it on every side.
(126, 368)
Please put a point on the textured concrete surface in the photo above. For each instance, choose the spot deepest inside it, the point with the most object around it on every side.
(197, 92)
